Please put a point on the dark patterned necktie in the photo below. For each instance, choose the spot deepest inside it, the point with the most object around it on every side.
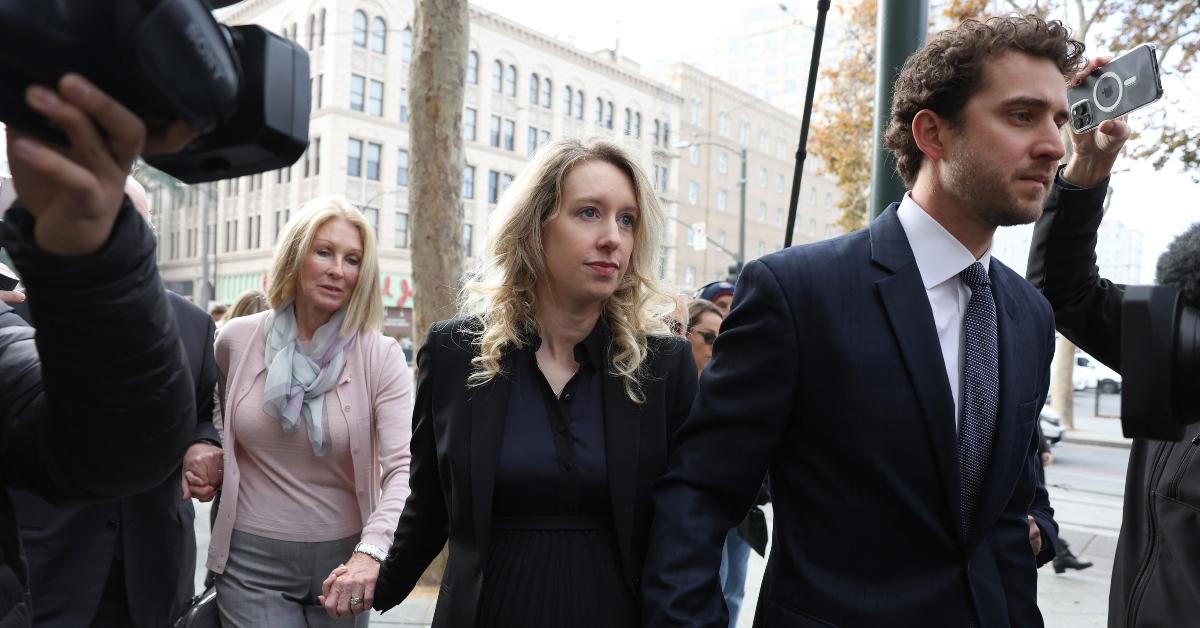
(980, 394)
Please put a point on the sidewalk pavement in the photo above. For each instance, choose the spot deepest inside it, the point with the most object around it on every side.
(1102, 431)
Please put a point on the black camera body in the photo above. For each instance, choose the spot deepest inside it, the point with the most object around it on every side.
(243, 88)
(1160, 363)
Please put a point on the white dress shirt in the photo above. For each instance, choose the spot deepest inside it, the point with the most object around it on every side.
(940, 257)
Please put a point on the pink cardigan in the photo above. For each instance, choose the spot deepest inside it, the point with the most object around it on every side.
(374, 397)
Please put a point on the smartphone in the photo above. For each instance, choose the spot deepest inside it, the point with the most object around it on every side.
(8, 281)
(1127, 83)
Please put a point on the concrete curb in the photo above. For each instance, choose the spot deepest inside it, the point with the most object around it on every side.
(1098, 441)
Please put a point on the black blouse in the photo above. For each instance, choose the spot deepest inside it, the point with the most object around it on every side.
(552, 456)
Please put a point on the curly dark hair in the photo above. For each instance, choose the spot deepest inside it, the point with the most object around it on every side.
(944, 74)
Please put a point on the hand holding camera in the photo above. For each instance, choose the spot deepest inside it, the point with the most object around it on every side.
(75, 193)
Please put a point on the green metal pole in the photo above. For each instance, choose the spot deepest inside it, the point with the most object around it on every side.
(901, 29)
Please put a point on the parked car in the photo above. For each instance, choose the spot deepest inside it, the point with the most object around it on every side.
(1090, 373)
(1051, 423)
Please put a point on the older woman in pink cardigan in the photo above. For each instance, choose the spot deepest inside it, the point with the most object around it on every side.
(317, 408)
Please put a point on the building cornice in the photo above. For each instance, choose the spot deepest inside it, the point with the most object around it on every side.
(733, 92)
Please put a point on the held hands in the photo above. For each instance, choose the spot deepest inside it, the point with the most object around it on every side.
(74, 193)
(350, 588)
(1094, 152)
(203, 471)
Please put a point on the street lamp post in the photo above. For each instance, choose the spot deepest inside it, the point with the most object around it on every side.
(741, 251)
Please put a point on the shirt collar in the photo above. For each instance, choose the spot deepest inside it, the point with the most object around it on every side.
(588, 351)
(939, 255)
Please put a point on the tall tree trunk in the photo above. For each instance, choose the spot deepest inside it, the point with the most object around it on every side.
(435, 92)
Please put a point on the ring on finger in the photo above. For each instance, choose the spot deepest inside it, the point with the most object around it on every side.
(355, 600)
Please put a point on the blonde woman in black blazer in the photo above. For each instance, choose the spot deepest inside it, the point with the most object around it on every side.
(541, 424)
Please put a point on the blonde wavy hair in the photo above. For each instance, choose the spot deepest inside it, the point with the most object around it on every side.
(364, 311)
(501, 289)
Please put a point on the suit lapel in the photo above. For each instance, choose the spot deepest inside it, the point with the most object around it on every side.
(1004, 462)
(488, 407)
(904, 299)
(622, 432)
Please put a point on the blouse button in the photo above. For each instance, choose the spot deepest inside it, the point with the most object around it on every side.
(347, 408)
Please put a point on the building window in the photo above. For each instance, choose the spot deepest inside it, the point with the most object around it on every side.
(694, 154)
(469, 121)
(657, 131)
(360, 29)
(719, 237)
(374, 154)
(744, 133)
(762, 178)
(722, 198)
(510, 81)
(316, 153)
(764, 141)
(532, 143)
(372, 216)
(579, 99)
(493, 186)
(378, 35)
(406, 43)
(569, 100)
(505, 181)
(468, 232)
(689, 277)
(321, 37)
(599, 111)
(358, 85)
(534, 87)
(494, 131)
(778, 183)
(547, 92)
(510, 133)
(762, 248)
(401, 230)
(628, 126)
(608, 115)
(722, 162)
(468, 190)
(666, 142)
(723, 124)
(497, 76)
(637, 124)
(312, 30)
(404, 105)
(473, 68)
(543, 137)
(375, 99)
(693, 192)
(354, 158)
(402, 167)
(762, 212)
(697, 111)
(320, 90)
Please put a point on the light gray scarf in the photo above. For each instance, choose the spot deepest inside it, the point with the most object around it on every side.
(297, 381)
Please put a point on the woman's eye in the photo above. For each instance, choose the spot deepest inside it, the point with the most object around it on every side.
(353, 261)
(589, 212)
(628, 220)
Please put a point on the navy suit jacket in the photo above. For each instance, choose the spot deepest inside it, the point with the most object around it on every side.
(828, 373)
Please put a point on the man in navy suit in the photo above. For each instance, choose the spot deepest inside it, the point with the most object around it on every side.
(890, 380)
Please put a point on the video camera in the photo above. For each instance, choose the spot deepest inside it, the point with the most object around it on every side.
(1160, 346)
(242, 88)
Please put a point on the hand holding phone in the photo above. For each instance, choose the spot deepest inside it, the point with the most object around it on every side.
(1124, 84)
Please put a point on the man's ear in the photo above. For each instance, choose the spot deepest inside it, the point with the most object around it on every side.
(930, 131)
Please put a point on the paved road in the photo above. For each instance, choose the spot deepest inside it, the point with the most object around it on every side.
(1086, 489)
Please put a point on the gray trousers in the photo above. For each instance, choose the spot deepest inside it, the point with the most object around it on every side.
(275, 584)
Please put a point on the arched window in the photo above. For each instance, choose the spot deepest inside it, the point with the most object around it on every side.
(378, 35)
(569, 100)
(599, 111)
(637, 124)
(628, 126)
(497, 76)
(473, 67)
(547, 92)
(579, 100)
(608, 116)
(534, 85)
(321, 37)
(666, 134)
(406, 37)
(312, 31)
(360, 29)
(510, 81)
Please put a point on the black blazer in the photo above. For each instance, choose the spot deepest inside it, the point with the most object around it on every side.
(828, 371)
(70, 548)
(455, 448)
